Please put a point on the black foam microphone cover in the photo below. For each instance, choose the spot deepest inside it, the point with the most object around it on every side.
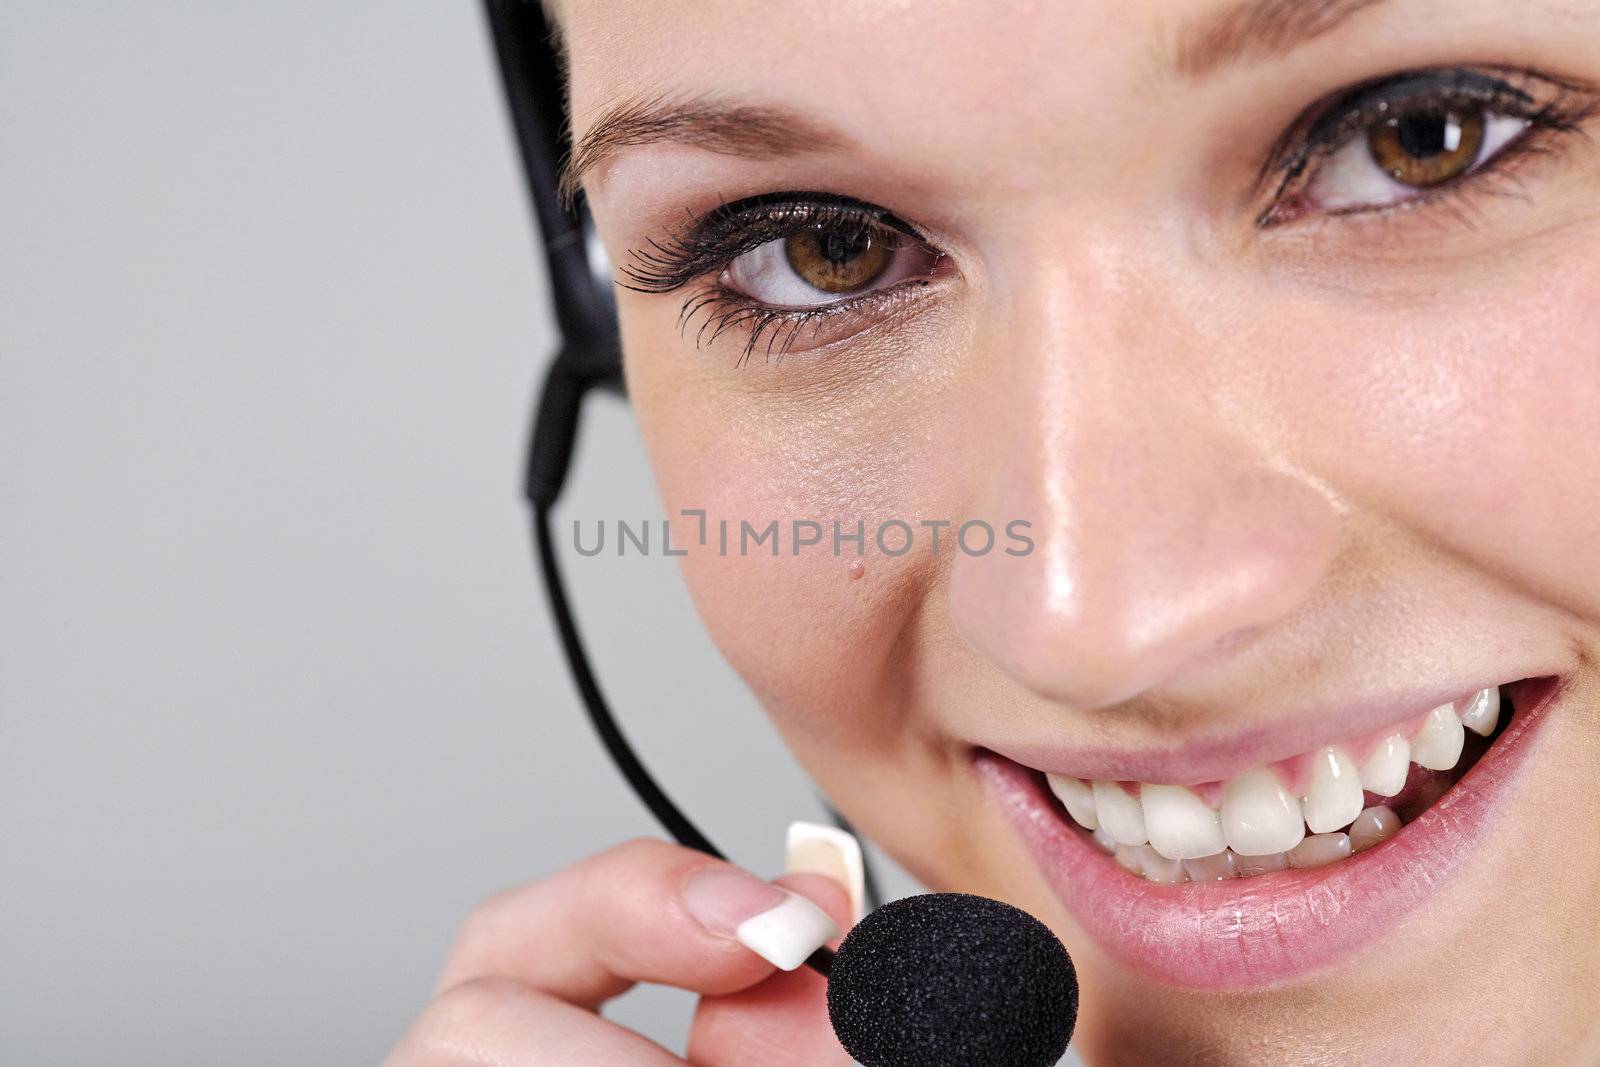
(951, 978)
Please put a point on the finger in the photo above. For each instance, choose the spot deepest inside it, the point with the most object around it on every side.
(495, 1021)
(645, 911)
(783, 1021)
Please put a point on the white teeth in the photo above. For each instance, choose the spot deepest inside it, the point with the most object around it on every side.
(1319, 850)
(1385, 771)
(1250, 866)
(1482, 713)
(1119, 813)
(1157, 868)
(1168, 833)
(1180, 825)
(1334, 797)
(1259, 817)
(1438, 745)
(1077, 797)
(1372, 827)
(1218, 868)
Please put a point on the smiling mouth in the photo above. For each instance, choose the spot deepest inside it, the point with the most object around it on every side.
(1312, 810)
(1286, 866)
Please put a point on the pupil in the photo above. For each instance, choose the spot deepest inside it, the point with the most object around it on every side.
(838, 249)
(1425, 136)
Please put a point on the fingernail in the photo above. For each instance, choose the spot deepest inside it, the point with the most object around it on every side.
(781, 927)
(817, 849)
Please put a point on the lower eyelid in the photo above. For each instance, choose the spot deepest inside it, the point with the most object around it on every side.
(1434, 229)
(776, 332)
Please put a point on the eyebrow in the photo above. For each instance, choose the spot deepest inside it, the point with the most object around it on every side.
(1258, 29)
(1247, 29)
(750, 131)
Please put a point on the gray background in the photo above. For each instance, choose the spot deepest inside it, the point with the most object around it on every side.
(278, 697)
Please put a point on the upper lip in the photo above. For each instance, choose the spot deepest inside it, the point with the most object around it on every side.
(1215, 757)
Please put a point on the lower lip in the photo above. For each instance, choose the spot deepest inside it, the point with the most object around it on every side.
(1250, 933)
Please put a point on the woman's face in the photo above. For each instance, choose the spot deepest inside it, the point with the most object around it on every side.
(1265, 338)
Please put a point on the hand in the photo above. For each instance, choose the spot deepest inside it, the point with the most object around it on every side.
(532, 967)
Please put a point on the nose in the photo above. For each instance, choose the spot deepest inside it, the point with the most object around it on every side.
(1163, 534)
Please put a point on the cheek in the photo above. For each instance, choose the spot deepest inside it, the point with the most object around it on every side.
(1474, 418)
(812, 629)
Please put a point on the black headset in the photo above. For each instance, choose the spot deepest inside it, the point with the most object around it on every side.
(590, 357)
(901, 990)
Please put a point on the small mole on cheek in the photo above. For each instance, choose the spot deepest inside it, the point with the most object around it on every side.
(857, 569)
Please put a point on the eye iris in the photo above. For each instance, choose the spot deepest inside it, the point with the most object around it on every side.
(1427, 148)
(838, 261)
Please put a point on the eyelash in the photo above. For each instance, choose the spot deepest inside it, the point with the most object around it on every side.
(708, 244)
(1328, 127)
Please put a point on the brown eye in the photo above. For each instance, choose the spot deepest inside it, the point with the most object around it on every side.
(1427, 148)
(838, 260)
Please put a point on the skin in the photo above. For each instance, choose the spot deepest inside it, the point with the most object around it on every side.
(1266, 469)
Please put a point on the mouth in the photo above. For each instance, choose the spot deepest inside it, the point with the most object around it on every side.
(1283, 867)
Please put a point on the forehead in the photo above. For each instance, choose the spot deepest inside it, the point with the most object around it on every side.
(887, 76)
(847, 58)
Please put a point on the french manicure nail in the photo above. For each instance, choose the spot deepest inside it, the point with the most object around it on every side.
(781, 927)
(814, 848)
